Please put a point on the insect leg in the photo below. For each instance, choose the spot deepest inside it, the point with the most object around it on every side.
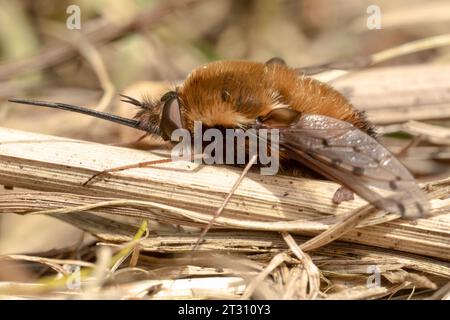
(126, 167)
(225, 202)
(343, 194)
(134, 166)
(414, 142)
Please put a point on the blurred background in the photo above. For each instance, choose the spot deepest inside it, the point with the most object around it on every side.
(47, 53)
(122, 42)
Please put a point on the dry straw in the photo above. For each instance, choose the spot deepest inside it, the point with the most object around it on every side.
(281, 230)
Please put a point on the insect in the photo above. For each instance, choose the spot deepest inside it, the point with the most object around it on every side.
(319, 130)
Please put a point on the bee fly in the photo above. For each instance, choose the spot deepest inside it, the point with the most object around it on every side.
(319, 129)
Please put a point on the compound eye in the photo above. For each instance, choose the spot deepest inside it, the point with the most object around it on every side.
(171, 118)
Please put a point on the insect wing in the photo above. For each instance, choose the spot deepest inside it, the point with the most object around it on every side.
(343, 153)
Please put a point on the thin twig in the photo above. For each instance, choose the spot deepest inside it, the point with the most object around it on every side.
(225, 202)
(91, 54)
(98, 31)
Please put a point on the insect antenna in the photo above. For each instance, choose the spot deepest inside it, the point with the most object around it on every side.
(131, 100)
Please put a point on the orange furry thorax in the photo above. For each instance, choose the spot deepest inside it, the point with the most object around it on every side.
(232, 93)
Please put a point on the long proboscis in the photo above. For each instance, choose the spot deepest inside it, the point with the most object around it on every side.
(68, 107)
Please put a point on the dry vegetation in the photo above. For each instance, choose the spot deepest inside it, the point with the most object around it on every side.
(131, 234)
